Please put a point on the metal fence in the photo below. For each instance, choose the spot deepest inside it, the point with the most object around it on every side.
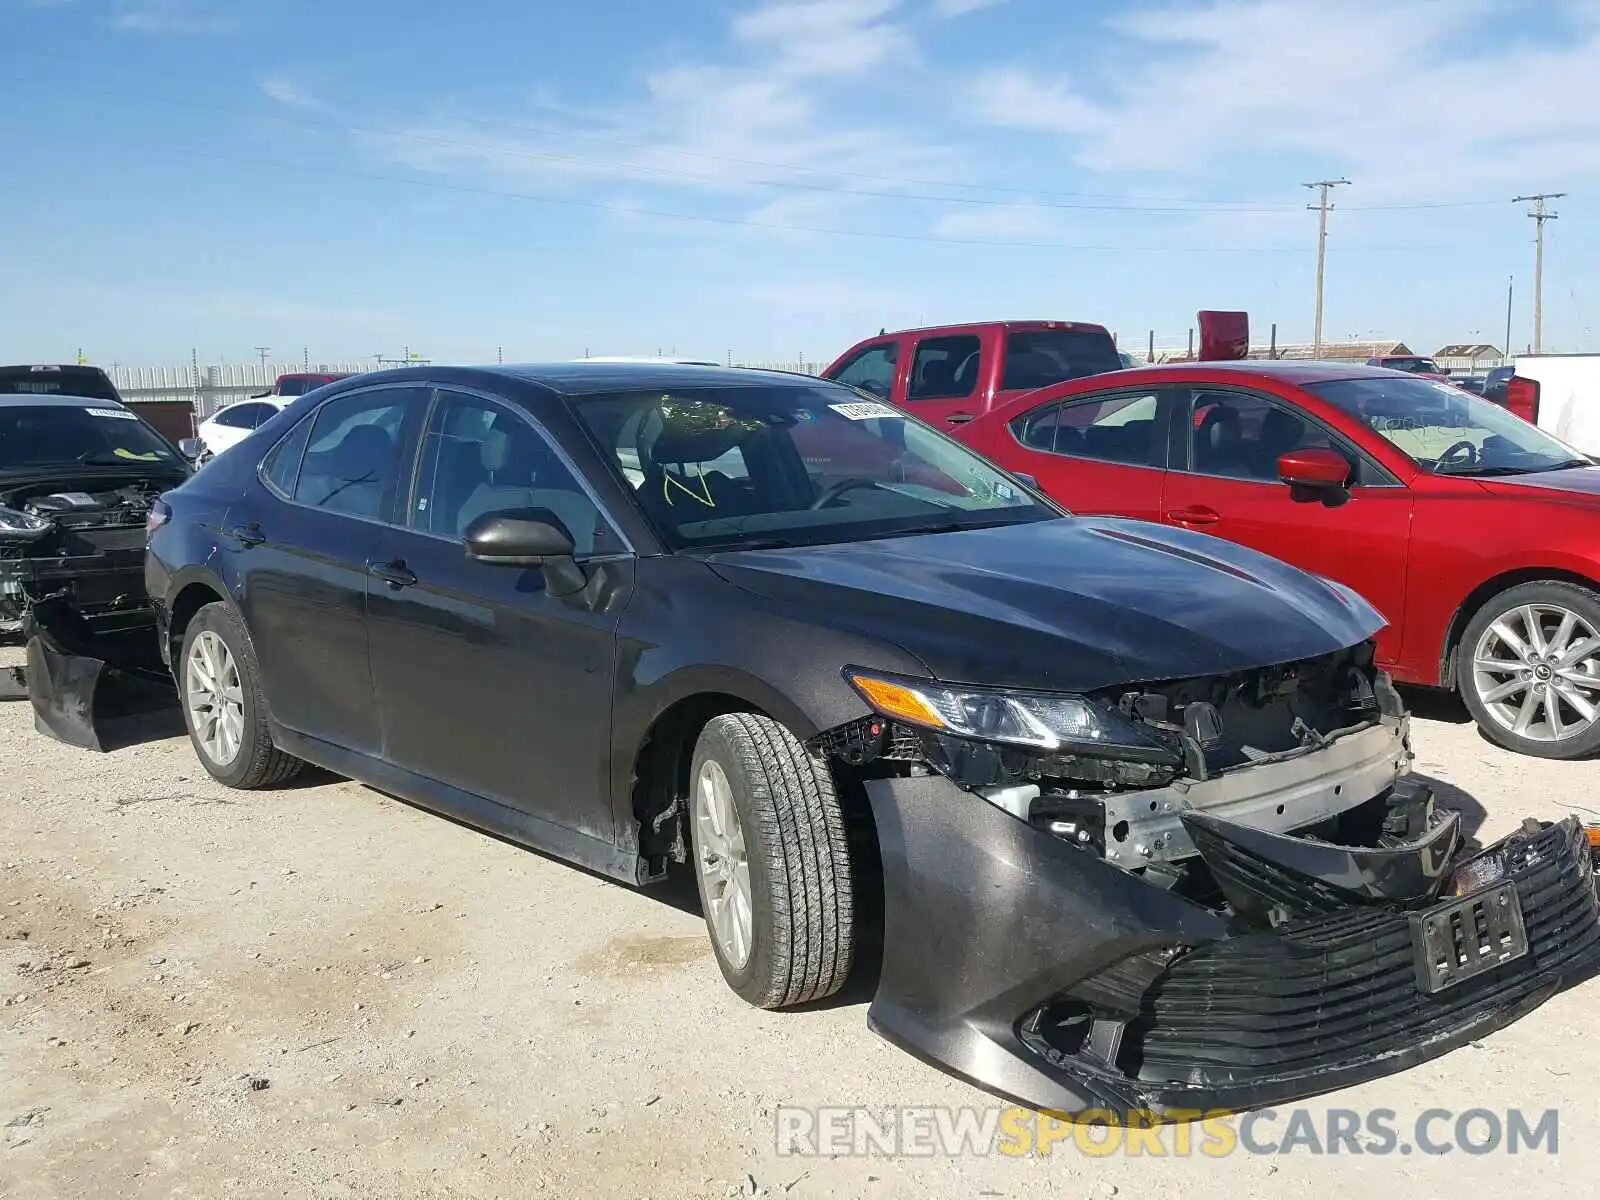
(212, 386)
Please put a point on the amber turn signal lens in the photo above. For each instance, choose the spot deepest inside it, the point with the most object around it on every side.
(1593, 834)
(897, 700)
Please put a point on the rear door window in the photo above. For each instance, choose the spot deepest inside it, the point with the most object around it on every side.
(1120, 428)
(946, 368)
(351, 463)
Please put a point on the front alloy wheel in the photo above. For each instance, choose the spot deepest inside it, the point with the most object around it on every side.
(724, 869)
(772, 862)
(1531, 670)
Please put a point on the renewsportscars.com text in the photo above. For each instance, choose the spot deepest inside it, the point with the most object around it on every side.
(961, 1131)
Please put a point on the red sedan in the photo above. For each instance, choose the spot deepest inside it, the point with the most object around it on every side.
(1475, 533)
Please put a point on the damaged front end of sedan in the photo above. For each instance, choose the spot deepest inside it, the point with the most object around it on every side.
(1194, 895)
(72, 590)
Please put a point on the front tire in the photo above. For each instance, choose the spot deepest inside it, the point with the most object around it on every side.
(219, 687)
(771, 862)
(1528, 668)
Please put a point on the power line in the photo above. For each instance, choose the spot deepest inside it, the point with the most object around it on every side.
(1540, 216)
(1322, 207)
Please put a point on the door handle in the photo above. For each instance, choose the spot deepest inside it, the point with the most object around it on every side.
(248, 535)
(958, 418)
(1195, 514)
(396, 574)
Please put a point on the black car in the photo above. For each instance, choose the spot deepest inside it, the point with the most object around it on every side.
(1128, 805)
(78, 477)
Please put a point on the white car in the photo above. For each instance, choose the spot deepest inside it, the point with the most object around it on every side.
(232, 423)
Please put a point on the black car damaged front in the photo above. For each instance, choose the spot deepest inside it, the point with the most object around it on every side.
(1231, 894)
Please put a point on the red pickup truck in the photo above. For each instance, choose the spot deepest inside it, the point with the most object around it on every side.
(950, 374)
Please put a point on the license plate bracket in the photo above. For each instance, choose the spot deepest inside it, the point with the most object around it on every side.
(1461, 939)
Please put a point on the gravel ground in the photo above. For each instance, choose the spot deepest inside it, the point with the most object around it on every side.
(324, 992)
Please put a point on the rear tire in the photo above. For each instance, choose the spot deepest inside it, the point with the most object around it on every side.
(1528, 669)
(220, 691)
(782, 830)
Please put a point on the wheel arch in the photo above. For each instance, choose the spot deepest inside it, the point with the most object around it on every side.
(1487, 591)
(653, 754)
(191, 596)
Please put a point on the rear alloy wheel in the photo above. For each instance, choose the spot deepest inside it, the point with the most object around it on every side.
(771, 862)
(1528, 668)
(222, 704)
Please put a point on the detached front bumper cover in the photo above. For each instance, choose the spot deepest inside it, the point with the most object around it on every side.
(1050, 976)
(83, 677)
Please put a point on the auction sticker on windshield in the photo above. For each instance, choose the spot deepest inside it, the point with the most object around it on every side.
(864, 410)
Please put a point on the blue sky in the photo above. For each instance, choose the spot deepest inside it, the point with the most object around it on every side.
(779, 179)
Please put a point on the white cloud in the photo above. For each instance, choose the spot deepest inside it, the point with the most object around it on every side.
(170, 16)
(289, 93)
(769, 109)
(1019, 222)
(1396, 89)
(960, 8)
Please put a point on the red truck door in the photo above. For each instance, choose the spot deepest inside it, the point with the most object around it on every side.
(951, 376)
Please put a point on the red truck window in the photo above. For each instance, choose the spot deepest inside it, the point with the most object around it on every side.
(872, 370)
(945, 368)
(1036, 358)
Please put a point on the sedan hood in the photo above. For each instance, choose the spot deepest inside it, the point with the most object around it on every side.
(1074, 604)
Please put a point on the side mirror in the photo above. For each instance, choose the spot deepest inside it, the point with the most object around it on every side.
(517, 541)
(1315, 467)
(191, 448)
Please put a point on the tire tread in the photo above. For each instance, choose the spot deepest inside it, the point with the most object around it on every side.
(803, 834)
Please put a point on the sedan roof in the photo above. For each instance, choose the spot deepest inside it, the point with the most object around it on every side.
(589, 376)
(54, 400)
(1290, 370)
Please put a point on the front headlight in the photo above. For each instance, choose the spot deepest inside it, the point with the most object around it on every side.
(1048, 723)
(21, 525)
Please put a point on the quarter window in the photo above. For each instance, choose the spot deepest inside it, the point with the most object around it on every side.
(282, 464)
(1116, 429)
(481, 459)
(945, 368)
(349, 465)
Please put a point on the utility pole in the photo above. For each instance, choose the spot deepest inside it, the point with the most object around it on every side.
(1321, 207)
(1540, 216)
(1511, 281)
(262, 352)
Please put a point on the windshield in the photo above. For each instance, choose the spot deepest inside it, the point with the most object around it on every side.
(62, 435)
(793, 465)
(1417, 366)
(1446, 430)
(1036, 358)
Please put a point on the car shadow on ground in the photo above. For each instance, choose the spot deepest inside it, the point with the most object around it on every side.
(1448, 795)
(1432, 704)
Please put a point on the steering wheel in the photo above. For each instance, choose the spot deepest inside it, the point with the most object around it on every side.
(1449, 455)
(834, 491)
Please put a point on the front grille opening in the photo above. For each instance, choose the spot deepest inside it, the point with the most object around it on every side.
(1323, 993)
